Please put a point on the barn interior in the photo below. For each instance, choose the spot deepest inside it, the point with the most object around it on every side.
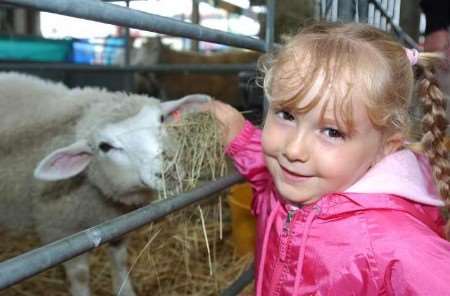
(195, 250)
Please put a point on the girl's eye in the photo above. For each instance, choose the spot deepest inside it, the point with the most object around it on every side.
(333, 133)
(285, 115)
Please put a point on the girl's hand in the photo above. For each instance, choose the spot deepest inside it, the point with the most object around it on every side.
(230, 119)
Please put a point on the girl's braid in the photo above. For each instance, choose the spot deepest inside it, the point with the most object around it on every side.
(434, 124)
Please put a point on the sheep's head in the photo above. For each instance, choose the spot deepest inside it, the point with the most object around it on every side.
(120, 147)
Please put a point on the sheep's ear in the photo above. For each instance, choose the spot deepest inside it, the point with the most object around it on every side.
(187, 104)
(64, 163)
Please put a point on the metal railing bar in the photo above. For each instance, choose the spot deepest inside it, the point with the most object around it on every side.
(185, 68)
(346, 10)
(397, 29)
(238, 285)
(270, 24)
(35, 261)
(126, 17)
(384, 20)
(391, 9)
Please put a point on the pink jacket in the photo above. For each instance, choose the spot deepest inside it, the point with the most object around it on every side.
(383, 236)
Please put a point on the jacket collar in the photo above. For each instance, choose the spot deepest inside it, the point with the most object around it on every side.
(402, 173)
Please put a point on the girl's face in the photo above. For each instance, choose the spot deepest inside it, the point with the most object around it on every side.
(309, 156)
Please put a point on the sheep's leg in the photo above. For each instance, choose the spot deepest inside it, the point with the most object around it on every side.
(77, 272)
(121, 282)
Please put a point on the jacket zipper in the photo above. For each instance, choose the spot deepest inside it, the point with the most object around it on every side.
(285, 233)
(280, 265)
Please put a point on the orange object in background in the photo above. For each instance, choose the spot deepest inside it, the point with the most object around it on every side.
(243, 223)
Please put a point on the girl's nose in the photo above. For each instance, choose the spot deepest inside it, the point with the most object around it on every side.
(297, 148)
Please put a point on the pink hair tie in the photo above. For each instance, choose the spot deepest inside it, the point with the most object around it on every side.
(413, 55)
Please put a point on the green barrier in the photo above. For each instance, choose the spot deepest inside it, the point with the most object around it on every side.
(35, 49)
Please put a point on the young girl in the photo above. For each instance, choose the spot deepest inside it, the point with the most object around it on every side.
(346, 204)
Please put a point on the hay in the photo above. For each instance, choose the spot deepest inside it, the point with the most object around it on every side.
(170, 256)
(199, 154)
(176, 262)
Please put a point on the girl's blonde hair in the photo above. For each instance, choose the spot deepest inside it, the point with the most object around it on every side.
(339, 63)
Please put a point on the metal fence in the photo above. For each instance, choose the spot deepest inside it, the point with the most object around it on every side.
(130, 18)
(383, 14)
(28, 264)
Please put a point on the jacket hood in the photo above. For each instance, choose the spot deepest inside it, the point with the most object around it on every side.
(402, 173)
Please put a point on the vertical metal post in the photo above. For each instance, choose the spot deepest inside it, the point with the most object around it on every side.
(346, 10)
(396, 14)
(363, 11)
(317, 9)
(127, 40)
(270, 24)
(370, 14)
(331, 10)
(410, 18)
(377, 17)
(390, 10)
(128, 76)
(195, 19)
(384, 21)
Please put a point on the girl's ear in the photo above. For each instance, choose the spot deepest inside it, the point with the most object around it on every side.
(393, 143)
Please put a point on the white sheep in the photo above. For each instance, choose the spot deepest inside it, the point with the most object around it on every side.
(96, 154)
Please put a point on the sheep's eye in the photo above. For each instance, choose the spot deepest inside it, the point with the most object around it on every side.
(105, 147)
(161, 118)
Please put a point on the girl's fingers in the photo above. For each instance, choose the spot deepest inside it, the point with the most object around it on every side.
(230, 119)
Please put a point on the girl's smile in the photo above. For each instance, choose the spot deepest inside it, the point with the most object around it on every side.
(292, 176)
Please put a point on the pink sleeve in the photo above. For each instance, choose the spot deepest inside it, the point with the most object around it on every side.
(246, 151)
